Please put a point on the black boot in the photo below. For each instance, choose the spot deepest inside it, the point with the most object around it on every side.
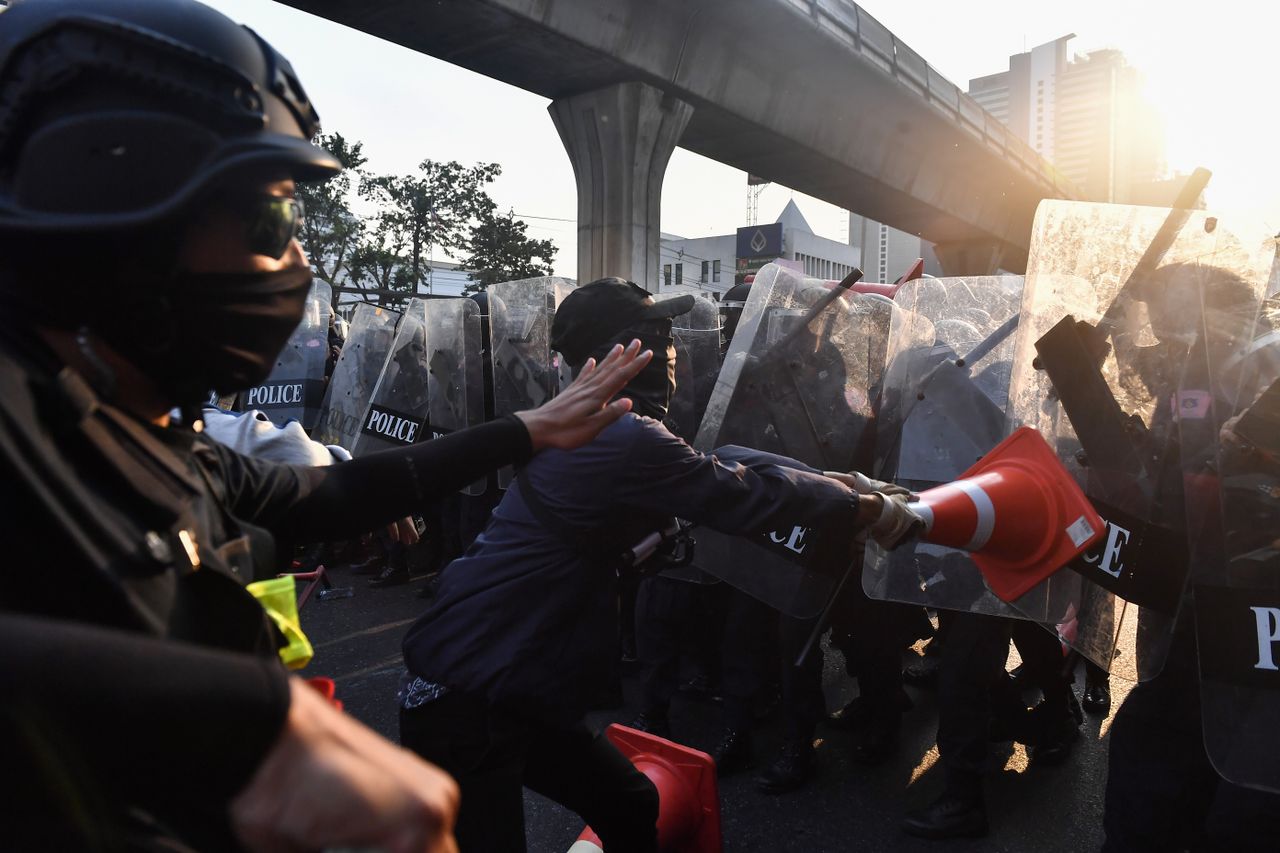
(391, 576)
(1056, 727)
(923, 673)
(733, 753)
(878, 739)
(953, 815)
(1097, 691)
(793, 768)
(856, 714)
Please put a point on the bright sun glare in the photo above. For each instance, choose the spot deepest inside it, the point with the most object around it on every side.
(1211, 73)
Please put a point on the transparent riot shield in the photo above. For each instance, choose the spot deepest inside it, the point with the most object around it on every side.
(1229, 429)
(295, 388)
(456, 389)
(398, 405)
(1099, 366)
(697, 342)
(800, 379)
(945, 391)
(526, 371)
(364, 354)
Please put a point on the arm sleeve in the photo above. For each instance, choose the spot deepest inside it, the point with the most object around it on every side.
(140, 713)
(339, 501)
(734, 489)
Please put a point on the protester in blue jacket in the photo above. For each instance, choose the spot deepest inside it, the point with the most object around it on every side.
(501, 665)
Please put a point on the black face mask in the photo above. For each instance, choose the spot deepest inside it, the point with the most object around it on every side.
(653, 387)
(208, 330)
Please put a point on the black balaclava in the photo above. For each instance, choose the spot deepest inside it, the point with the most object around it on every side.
(653, 387)
(188, 332)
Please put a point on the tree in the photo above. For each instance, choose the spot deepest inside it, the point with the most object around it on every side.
(434, 208)
(500, 250)
(379, 260)
(331, 232)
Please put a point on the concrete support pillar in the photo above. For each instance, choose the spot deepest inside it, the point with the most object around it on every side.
(976, 257)
(619, 140)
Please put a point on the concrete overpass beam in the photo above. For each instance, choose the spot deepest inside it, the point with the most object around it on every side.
(976, 257)
(619, 140)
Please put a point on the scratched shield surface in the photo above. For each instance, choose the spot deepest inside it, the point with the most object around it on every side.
(1230, 450)
(800, 379)
(364, 354)
(399, 402)
(1113, 318)
(942, 407)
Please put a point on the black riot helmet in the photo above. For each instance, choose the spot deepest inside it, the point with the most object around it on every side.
(118, 114)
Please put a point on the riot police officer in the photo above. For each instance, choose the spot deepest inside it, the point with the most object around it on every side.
(148, 254)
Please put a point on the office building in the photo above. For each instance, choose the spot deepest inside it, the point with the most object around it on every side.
(1085, 114)
(712, 265)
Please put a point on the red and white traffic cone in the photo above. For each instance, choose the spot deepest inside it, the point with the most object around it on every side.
(1018, 510)
(688, 796)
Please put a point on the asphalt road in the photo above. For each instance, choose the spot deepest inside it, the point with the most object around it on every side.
(846, 807)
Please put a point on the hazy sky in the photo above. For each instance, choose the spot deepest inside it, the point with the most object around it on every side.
(1212, 72)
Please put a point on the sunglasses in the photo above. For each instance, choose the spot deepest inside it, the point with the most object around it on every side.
(271, 222)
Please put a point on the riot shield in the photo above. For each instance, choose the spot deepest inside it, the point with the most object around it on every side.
(942, 407)
(364, 354)
(295, 388)
(455, 390)
(697, 342)
(398, 404)
(1230, 447)
(800, 384)
(526, 371)
(1099, 367)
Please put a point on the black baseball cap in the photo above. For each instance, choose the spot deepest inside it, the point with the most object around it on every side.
(596, 313)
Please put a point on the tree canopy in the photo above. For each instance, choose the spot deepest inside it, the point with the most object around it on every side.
(500, 250)
(380, 232)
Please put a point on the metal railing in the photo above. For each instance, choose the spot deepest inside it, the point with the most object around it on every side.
(850, 23)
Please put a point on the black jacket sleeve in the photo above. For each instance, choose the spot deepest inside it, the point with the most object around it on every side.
(339, 501)
(136, 717)
(735, 490)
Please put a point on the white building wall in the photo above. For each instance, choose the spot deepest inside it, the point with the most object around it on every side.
(683, 262)
(822, 258)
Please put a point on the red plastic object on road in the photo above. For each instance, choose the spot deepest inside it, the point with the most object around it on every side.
(326, 688)
(688, 795)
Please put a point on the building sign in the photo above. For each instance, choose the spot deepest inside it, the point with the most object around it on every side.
(760, 241)
(757, 245)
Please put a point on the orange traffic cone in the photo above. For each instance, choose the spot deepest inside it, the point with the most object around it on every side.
(688, 796)
(1018, 510)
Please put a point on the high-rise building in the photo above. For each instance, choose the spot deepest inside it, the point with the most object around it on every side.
(1085, 114)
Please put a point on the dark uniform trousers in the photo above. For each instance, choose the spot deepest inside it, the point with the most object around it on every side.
(676, 618)
(973, 687)
(493, 755)
(754, 639)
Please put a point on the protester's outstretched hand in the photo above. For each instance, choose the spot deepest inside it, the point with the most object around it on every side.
(331, 782)
(577, 414)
